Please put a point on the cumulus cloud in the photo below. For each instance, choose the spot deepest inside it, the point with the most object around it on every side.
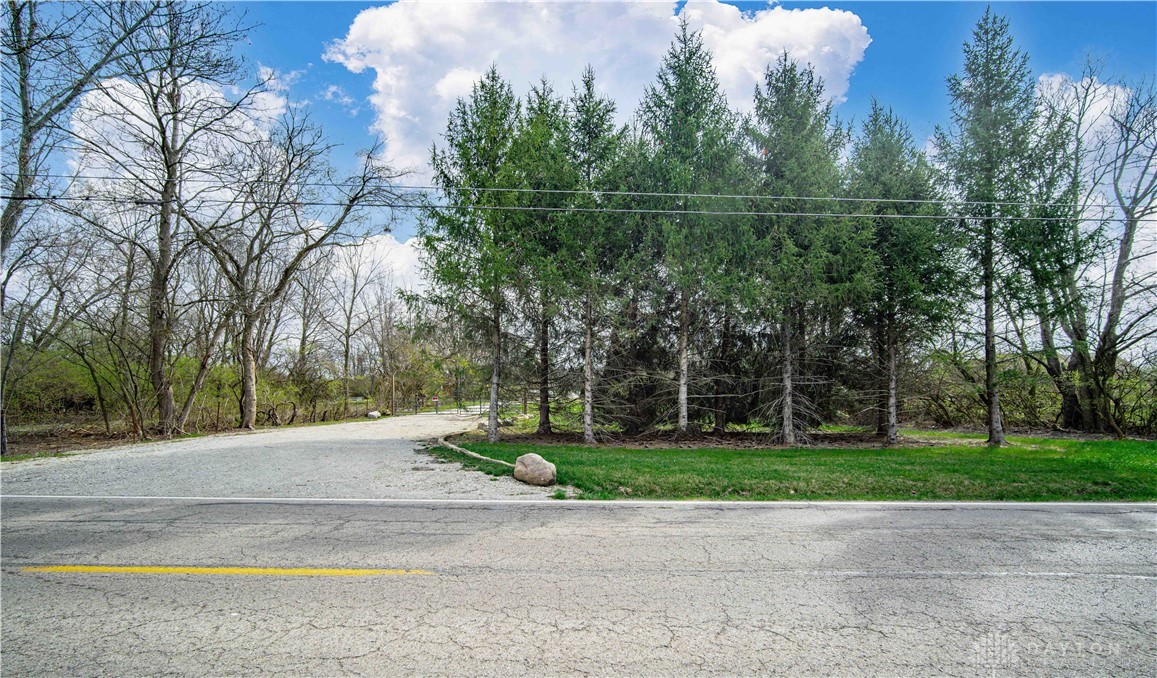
(1096, 103)
(116, 138)
(833, 41)
(425, 55)
(1100, 99)
(400, 259)
(456, 83)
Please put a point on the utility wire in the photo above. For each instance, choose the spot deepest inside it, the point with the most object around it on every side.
(532, 208)
(653, 194)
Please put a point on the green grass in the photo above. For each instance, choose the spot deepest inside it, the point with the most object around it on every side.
(1031, 470)
(32, 455)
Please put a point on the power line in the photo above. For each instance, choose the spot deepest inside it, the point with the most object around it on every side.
(653, 194)
(532, 208)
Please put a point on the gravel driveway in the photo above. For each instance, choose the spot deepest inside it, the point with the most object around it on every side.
(378, 459)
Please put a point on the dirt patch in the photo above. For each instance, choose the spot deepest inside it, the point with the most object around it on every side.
(58, 442)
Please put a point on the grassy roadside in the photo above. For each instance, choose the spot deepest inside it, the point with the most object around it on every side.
(1032, 469)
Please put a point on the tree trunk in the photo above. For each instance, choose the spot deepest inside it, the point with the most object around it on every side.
(635, 389)
(159, 337)
(893, 403)
(248, 375)
(788, 387)
(992, 395)
(99, 393)
(159, 321)
(684, 326)
(723, 378)
(880, 354)
(492, 430)
(544, 371)
(345, 374)
(1070, 414)
(202, 372)
(1104, 365)
(22, 182)
(15, 205)
(588, 373)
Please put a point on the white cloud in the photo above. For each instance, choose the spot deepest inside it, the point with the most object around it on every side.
(424, 55)
(271, 101)
(1100, 98)
(115, 130)
(456, 83)
(336, 94)
(833, 41)
(402, 260)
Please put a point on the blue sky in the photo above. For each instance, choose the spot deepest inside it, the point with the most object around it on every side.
(415, 60)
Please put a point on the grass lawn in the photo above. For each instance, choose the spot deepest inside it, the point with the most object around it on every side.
(1032, 469)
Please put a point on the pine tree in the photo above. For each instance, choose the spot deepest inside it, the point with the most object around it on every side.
(912, 256)
(810, 264)
(592, 241)
(540, 169)
(694, 149)
(985, 152)
(470, 253)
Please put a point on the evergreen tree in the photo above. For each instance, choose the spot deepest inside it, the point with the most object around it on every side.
(470, 250)
(694, 149)
(637, 360)
(985, 152)
(540, 170)
(592, 240)
(810, 264)
(913, 273)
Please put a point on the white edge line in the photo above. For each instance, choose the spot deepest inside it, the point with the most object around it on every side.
(636, 503)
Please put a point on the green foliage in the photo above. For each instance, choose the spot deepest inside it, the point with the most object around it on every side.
(56, 386)
(693, 144)
(538, 168)
(811, 268)
(914, 276)
(572, 255)
(471, 254)
(985, 149)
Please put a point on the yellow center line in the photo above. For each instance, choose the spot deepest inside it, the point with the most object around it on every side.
(267, 571)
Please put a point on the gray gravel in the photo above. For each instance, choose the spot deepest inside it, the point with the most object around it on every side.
(362, 460)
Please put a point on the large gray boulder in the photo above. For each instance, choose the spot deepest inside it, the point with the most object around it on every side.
(534, 470)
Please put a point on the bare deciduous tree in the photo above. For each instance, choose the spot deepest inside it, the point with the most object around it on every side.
(154, 133)
(286, 206)
(356, 272)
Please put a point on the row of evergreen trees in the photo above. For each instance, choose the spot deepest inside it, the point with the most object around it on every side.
(699, 267)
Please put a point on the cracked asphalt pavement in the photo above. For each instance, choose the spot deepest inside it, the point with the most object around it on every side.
(566, 588)
(520, 586)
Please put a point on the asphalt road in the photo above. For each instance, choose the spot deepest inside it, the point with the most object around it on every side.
(560, 588)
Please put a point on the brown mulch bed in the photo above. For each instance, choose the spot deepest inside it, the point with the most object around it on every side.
(702, 439)
(750, 441)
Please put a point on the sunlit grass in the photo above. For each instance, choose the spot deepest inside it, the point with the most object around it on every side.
(1032, 469)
